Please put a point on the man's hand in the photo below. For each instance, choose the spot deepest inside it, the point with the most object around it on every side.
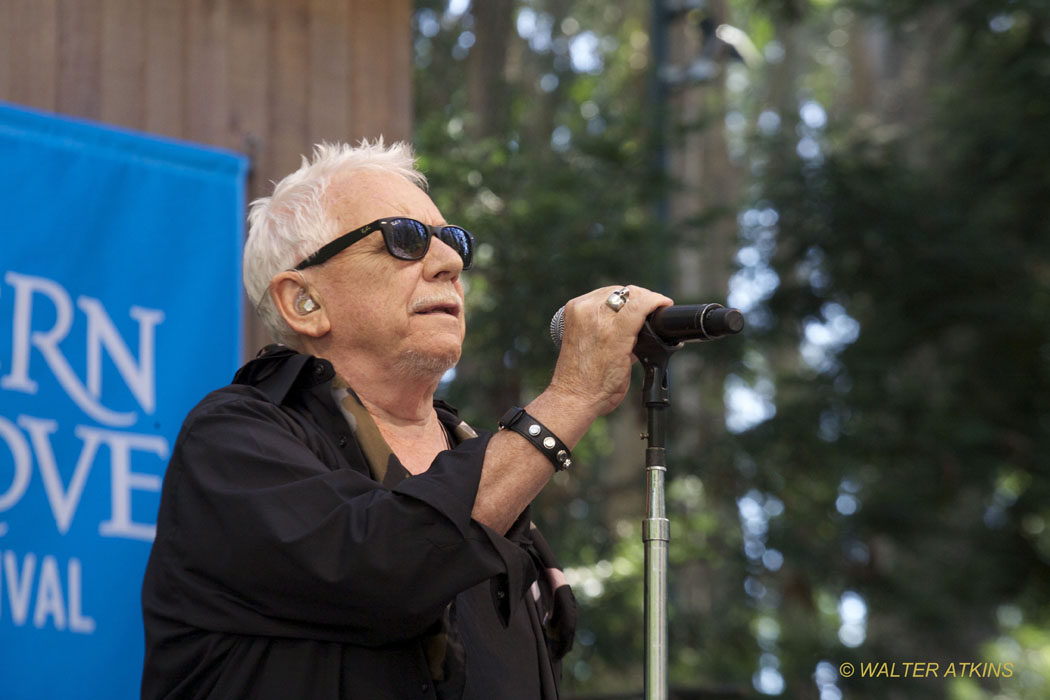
(594, 365)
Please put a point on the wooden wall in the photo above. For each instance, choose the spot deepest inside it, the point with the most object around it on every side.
(267, 78)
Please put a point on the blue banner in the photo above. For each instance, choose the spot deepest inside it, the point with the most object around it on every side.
(120, 307)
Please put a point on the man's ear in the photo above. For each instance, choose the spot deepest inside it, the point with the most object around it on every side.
(299, 304)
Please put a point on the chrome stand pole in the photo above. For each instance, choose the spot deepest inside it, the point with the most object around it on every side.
(656, 528)
(656, 533)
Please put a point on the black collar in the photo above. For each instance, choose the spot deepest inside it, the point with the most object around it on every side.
(278, 368)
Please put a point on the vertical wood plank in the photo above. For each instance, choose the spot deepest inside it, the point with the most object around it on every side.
(248, 124)
(399, 57)
(329, 70)
(249, 121)
(33, 53)
(79, 41)
(165, 74)
(289, 64)
(370, 83)
(123, 63)
(7, 19)
(381, 69)
(205, 108)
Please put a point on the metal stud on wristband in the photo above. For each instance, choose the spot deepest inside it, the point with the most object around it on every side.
(545, 441)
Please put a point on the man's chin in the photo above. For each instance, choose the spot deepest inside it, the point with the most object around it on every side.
(426, 365)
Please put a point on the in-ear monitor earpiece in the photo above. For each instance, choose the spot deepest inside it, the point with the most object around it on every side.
(304, 303)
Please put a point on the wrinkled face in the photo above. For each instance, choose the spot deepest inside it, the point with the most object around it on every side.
(403, 314)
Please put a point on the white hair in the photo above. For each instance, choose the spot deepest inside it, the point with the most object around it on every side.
(291, 224)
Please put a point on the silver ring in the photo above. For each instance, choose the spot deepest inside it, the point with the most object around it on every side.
(618, 299)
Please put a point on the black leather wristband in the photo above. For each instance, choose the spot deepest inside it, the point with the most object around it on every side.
(545, 441)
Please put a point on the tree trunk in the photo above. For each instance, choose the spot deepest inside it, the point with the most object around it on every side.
(488, 94)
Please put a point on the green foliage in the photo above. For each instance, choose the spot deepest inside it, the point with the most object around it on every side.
(932, 424)
(559, 196)
(904, 336)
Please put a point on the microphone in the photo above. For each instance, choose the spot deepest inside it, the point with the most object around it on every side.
(677, 324)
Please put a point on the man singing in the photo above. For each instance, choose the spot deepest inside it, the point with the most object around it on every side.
(327, 528)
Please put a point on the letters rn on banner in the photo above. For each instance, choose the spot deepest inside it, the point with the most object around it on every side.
(120, 307)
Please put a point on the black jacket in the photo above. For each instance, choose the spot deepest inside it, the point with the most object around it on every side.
(281, 569)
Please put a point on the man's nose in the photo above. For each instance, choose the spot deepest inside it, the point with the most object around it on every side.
(442, 259)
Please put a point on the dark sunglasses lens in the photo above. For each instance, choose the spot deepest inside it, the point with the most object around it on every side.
(460, 241)
(407, 239)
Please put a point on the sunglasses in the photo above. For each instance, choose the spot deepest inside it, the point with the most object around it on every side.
(405, 239)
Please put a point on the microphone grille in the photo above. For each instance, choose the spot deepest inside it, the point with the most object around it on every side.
(558, 327)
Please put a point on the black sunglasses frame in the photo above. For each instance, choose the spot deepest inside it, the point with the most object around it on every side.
(446, 234)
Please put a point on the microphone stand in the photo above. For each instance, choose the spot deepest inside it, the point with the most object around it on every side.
(654, 355)
(684, 323)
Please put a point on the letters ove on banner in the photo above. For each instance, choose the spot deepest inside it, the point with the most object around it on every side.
(28, 440)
